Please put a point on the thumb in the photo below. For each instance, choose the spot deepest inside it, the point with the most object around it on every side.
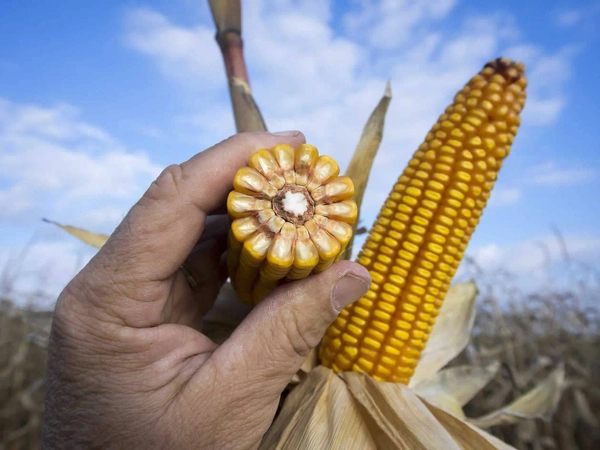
(271, 344)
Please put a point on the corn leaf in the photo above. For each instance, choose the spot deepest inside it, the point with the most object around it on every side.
(353, 410)
(94, 239)
(362, 160)
(539, 403)
(451, 332)
(245, 110)
(227, 15)
(451, 389)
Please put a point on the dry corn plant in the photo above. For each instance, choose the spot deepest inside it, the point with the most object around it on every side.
(378, 380)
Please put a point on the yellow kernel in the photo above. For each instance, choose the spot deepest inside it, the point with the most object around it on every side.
(419, 281)
(376, 277)
(413, 299)
(372, 343)
(428, 307)
(354, 329)
(383, 372)
(364, 364)
(421, 325)
(409, 246)
(402, 335)
(456, 194)
(431, 256)
(349, 339)
(402, 324)
(391, 288)
(435, 248)
(409, 308)
(384, 327)
(463, 176)
(408, 255)
(407, 316)
(397, 280)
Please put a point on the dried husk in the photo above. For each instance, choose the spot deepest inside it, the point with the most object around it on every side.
(450, 389)
(362, 159)
(353, 411)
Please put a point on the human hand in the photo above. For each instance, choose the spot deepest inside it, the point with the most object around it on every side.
(127, 364)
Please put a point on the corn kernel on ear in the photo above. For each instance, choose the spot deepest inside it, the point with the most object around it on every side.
(292, 215)
(417, 242)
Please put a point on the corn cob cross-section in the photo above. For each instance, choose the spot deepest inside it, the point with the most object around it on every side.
(417, 242)
(292, 216)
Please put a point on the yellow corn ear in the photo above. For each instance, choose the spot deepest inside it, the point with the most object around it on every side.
(418, 239)
(292, 215)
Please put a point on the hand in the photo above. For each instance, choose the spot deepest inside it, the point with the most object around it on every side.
(127, 364)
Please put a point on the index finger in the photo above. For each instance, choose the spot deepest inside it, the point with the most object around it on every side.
(163, 226)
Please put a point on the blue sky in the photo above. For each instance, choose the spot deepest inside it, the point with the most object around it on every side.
(97, 97)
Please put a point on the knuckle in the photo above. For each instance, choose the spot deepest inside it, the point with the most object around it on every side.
(303, 333)
(167, 184)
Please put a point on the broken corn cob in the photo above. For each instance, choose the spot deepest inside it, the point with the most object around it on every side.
(418, 239)
(292, 216)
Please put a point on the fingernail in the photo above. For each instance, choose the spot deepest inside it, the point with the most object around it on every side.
(348, 289)
(289, 133)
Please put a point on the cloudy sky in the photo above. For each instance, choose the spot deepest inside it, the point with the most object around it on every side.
(97, 97)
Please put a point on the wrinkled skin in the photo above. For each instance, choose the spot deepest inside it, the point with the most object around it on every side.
(128, 366)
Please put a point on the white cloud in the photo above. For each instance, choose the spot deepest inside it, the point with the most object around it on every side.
(186, 55)
(538, 257)
(505, 196)
(569, 18)
(55, 163)
(387, 24)
(551, 174)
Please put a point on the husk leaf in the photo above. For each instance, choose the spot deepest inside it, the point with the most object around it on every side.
(538, 403)
(451, 332)
(362, 159)
(451, 389)
(96, 240)
(319, 414)
(353, 411)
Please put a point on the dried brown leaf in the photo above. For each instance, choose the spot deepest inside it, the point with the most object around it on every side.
(584, 409)
(362, 160)
(451, 332)
(94, 239)
(538, 403)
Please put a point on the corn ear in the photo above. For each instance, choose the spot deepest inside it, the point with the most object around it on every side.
(418, 240)
(292, 215)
